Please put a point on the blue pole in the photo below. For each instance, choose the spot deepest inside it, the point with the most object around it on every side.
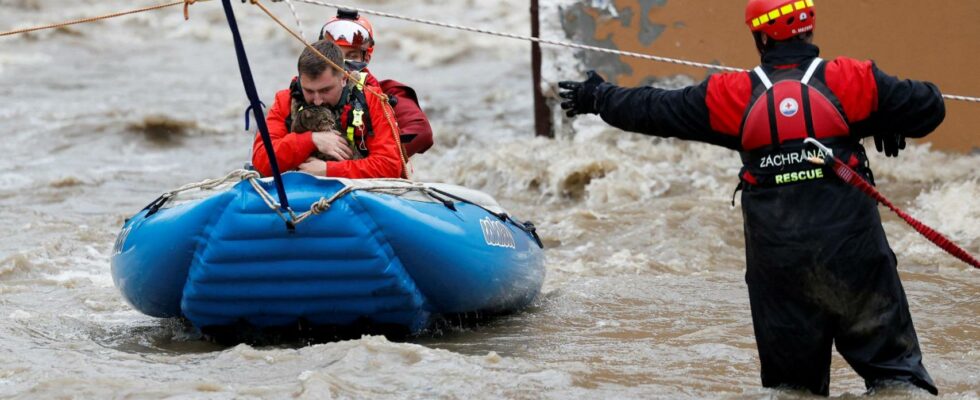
(256, 107)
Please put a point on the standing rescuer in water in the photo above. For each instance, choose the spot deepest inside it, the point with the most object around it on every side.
(819, 268)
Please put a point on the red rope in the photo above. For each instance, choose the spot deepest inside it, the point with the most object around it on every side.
(848, 175)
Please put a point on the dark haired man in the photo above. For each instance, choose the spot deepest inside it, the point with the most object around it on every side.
(364, 118)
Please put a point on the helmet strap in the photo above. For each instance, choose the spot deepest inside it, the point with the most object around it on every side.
(761, 42)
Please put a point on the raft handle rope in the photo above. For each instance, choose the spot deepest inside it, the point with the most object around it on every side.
(526, 226)
(397, 186)
(851, 177)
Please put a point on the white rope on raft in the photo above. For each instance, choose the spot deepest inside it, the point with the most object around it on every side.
(392, 186)
(560, 43)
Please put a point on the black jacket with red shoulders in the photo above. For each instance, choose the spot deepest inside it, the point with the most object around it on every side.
(713, 111)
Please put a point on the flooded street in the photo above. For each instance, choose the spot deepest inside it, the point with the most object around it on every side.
(645, 295)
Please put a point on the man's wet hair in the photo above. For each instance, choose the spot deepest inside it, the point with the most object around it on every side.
(311, 65)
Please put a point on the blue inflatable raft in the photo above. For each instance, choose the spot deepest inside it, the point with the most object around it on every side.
(379, 252)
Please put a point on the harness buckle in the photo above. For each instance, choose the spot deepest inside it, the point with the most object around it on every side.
(825, 151)
(358, 120)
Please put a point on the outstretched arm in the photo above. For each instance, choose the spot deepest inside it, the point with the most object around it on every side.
(681, 113)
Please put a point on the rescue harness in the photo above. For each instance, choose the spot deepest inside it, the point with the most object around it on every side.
(354, 113)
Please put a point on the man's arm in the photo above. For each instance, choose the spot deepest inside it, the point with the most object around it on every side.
(880, 105)
(905, 107)
(682, 113)
(291, 149)
(384, 158)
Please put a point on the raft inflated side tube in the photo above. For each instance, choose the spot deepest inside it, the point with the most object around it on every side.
(393, 258)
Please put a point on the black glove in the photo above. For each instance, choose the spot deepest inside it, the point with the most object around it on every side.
(889, 143)
(580, 97)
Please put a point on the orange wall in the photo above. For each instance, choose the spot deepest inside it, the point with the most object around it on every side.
(934, 40)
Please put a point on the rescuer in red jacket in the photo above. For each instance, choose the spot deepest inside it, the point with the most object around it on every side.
(819, 269)
(364, 124)
(355, 36)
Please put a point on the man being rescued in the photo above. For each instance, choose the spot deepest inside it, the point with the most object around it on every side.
(363, 124)
(819, 270)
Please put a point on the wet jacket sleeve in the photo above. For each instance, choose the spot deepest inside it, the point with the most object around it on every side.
(416, 133)
(291, 149)
(876, 102)
(384, 158)
(681, 113)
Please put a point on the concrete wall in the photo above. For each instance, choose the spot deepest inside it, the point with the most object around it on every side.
(934, 40)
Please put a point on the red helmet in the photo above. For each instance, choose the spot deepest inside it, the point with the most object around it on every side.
(780, 19)
(348, 29)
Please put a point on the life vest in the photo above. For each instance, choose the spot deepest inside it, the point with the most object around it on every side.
(354, 121)
(786, 107)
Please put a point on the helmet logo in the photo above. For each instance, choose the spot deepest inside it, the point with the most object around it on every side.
(804, 16)
(789, 107)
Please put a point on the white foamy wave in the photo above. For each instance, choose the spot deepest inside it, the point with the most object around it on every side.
(606, 172)
(918, 163)
(20, 266)
(373, 367)
(943, 208)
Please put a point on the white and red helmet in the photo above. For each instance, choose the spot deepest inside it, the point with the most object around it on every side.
(780, 19)
(348, 29)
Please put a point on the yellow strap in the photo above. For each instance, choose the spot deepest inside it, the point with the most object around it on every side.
(358, 115)
(360, 81)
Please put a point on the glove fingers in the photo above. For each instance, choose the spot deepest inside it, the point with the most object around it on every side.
(569, 85)
(569, 94)
(567, 105)
(878, 145)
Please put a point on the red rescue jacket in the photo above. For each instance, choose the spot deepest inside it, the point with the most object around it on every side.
(383, 160)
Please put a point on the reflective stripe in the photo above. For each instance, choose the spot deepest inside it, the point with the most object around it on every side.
(357, 116)
(810, 71)
(361, 80)
(350, 135)
(762, 76)
(784, 10)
